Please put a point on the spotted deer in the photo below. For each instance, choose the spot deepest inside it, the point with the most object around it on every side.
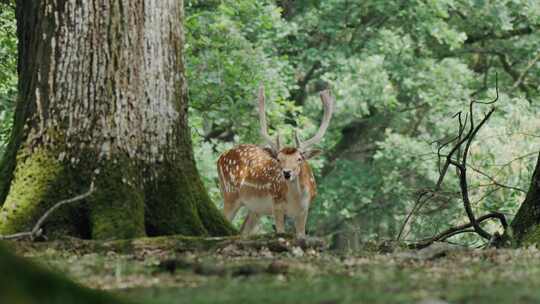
(271, 180)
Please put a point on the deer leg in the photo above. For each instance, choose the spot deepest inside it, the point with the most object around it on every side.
(250, 223)
(230, 208)
(278, 209)
(300, 224)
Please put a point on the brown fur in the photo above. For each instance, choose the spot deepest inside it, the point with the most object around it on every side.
(252, 164)
(251, 171)
(288, 150)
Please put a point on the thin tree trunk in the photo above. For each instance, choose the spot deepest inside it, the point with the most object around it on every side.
(102, 96)
(526, 224)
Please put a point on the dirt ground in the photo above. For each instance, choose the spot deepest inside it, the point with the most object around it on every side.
(281, 270)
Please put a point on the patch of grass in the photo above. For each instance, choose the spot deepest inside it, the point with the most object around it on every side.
(213, 276)
(395, 286)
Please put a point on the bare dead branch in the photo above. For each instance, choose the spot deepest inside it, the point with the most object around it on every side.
(422, 198)
(457, 157)
(486, 195)
(459, 229)
(494, 181)
(37, 231)
(508, 163)
(418, 204)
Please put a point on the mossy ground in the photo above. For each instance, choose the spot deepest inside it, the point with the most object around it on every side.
(235, 274)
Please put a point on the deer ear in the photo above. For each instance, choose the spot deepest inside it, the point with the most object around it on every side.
(311, 153)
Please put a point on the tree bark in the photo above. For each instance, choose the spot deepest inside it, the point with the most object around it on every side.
(102, 97)
(526, 224)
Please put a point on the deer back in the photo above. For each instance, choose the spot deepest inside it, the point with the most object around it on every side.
(252, 170)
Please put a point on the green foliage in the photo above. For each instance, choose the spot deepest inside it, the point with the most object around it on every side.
(229, 53)
(413, 63)
(8, 71)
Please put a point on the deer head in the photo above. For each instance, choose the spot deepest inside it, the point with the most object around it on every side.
(291, 158)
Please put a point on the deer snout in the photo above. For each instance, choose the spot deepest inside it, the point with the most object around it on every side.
(287, 174)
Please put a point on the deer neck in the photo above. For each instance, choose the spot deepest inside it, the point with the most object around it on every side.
(296, 189)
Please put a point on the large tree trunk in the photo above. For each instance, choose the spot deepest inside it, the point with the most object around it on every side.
(526, 224)
(102, 97)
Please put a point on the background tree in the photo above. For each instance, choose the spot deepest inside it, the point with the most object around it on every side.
(102, 98)
(525, 227)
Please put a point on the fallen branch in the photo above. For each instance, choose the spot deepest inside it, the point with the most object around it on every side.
(459, 229)
(37, 231)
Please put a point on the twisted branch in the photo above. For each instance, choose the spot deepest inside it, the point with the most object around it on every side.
(457, 157)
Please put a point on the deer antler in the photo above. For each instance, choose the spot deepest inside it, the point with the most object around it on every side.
(297, 140)
(262, 120)
(328, 105)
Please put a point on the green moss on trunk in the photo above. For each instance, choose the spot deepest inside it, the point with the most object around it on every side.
(526, 224)
(177, 203)
(39, 181)
(212, 218)
(117, 207)
(115, 210)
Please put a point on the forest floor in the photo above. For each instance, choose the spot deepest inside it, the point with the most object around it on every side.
(279, 270)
